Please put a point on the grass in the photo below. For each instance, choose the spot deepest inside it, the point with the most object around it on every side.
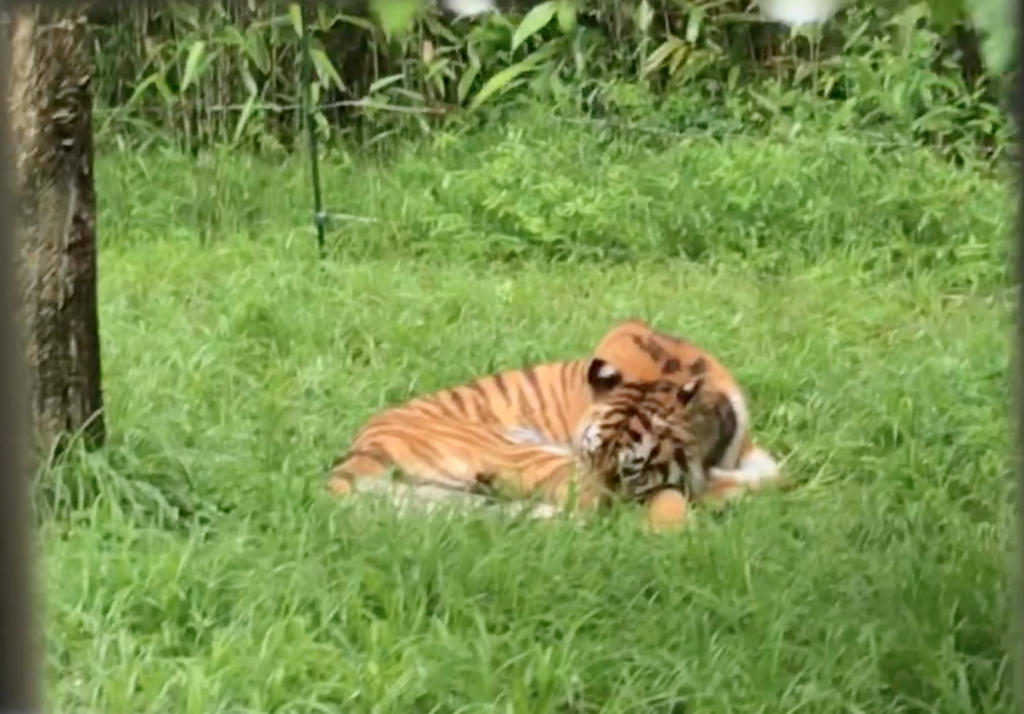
(196, 566)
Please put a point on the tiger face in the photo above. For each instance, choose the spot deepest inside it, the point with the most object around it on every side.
(637, 438)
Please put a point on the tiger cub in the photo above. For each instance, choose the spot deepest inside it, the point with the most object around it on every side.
(460, 432)
(635, 440)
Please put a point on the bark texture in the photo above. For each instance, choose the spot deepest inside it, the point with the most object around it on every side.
(50, 101)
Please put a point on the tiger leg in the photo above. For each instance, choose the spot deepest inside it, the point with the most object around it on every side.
(356, 465)
(756, 469)
(545, 477)
(367, 473)
(569, 495)
(441, 460)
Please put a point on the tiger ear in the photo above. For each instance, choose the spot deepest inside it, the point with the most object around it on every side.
(689, 390)
(602, 376)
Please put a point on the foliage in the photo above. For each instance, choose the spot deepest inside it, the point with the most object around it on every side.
(228, 72)
(994, 17)
(196, 566)
(528, 191)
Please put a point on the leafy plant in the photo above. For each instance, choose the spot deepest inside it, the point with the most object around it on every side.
(228, 73)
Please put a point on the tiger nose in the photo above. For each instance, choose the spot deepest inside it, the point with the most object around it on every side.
(632, 463)
(631, 458)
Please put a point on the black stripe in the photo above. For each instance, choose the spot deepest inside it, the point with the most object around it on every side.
(460, 403)
(530, 375)
(499, 382)
(727, 428)
(570, 379)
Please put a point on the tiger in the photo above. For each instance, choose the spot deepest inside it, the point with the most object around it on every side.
(636, 439)
(527, 422)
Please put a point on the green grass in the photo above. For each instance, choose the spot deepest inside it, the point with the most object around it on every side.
(196, 566)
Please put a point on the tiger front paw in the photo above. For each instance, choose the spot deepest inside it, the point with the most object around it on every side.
(667, 511)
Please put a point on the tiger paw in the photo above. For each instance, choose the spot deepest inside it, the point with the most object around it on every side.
(667, 511)
(339, 486)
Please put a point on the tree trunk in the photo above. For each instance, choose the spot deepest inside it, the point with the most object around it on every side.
(50, 99)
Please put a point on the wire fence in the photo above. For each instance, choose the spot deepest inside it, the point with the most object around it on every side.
(877, 140)
(792, 132)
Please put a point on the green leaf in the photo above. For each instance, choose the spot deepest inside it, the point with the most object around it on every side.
(195, 56)
(536, 20)
(946, 13)
(498, 82)
(248, 80)
(395, 16)
(693, 24)
(324, 69)
(466, 81)
(160, 82)
(140, 88)
(356, 22)
(504, 79)
(247, 112)
(384, 83)
(566, 16)
(657, 58)
(295, 15)
(257, 52)
(643, 16)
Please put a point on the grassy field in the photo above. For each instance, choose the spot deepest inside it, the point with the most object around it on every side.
(860, 296)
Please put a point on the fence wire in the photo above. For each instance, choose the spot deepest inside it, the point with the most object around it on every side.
(878, 141)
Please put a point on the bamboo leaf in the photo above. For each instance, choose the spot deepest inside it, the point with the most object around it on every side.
(466, 81)
(243, 119)
(643, 17)
(324, 69)
(356, 22)
(566, 16)
(248, 80)
(141, 87)
(295, 15)
(678, 58)
(662, 53)
(395, 16)
(499, 82)
(160, 82)
(384, 82)
(256, 49)
(195, 56)
(693, 24)
(233, 36)
(535, 20)
(505, 79)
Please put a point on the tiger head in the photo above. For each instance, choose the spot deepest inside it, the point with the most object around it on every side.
(638, 437)
(641, 352)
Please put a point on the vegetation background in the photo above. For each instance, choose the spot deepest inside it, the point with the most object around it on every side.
(826, 210)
